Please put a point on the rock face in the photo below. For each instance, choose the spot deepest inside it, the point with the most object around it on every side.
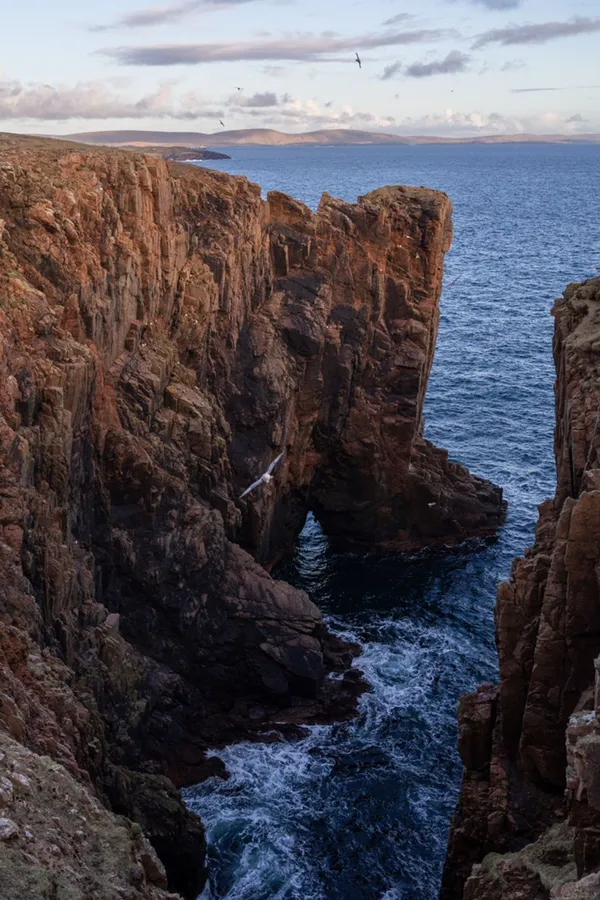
(344, 346)
(514, 739)
(164, 333)
(57, 840)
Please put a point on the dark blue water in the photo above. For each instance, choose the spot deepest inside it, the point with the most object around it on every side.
(360, 811)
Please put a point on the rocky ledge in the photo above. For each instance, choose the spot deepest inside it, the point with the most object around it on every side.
(164, 334)
(531, 746)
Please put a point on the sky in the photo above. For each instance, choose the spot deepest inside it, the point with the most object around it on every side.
(445, 67)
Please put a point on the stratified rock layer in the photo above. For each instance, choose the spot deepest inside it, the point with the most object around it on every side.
(514, 739)
(164, 333)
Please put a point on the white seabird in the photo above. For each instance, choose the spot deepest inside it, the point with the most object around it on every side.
(264, 478)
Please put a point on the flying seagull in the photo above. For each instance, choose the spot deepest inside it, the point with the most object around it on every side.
(358, 61)
(239, 89)
(266, 477)
(222, 122)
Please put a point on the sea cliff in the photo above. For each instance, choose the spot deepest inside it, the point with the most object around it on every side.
(165, 333)
(531, 744)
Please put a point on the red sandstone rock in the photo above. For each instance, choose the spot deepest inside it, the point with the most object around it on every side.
(548, 635)
(164, 333)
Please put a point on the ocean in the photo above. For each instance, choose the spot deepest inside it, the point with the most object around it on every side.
(361, 810)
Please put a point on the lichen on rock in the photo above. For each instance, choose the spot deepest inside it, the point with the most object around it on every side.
(61, 842)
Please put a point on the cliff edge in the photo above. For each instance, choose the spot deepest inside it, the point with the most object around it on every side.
(164, 333)
(538, 733)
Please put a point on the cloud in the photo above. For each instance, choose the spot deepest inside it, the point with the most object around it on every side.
(539, 33)
(163, 15)
(401, 17)
(390, 71)
(452, 64)
(274, 71)
(297, 115)
(307, 47)
(532, 90)
(98, 100)
(94, 100)
(256, 101)
(537, 90)
(477, 123)
(513, 65)
(499, 4)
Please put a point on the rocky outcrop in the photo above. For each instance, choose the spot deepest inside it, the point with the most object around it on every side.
(57, 840)
(164, 333)
(345, 344)
(514, 739)
(564, 862)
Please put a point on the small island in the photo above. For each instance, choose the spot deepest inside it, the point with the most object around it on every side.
(185, 154)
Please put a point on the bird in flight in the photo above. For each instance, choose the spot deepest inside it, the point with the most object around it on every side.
(239, 89)
(222, 122)
(358, 61)
(264, 478)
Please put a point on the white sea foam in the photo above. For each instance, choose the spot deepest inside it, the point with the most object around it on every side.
(261, 823)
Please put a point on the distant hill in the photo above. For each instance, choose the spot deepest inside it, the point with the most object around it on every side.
(329, 137)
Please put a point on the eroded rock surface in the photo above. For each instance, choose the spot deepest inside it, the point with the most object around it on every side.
(57, 840)
(164, 333)
(548, 636)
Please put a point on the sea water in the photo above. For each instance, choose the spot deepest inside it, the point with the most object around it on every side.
(361, 810)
